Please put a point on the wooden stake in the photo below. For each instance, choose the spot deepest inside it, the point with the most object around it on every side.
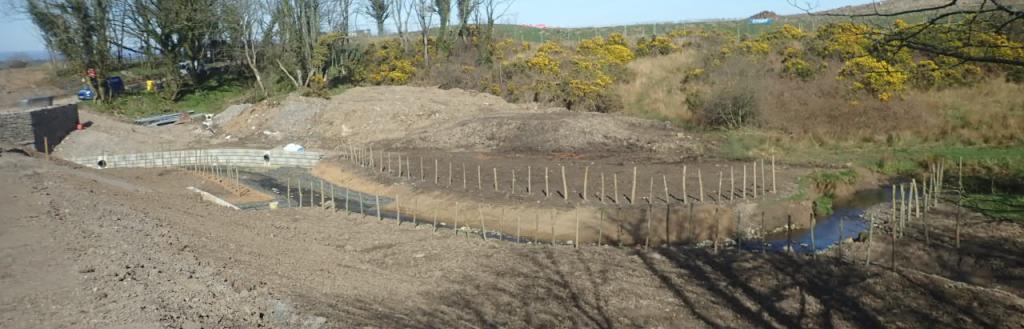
(732, 182)
(602, 188)
(650, 193)
(664, 182)
(436, 176)
(422, 176)
(719, 200)
(312, 191)
(774, 189)
(615, 187)
(479, 179)
(288, 192)
(764, 178)
(456, 219)
(451, 178)
(685, 197)
(513, 181)
(398, 212)
(346, 201)
(565, 186)
(300, 193)
(529, 180)
(632, 195)
(814, 245)
(576, 243)
(700, 184)
(323, 198)
(464, 186)
(547, 188)
(647, 241)
(415, 205)
(46, 147)
(871, 238)
(586, 179)
(552, 227)
(377, 206)
(483, 225)
(755, 180)
(495, 171)
(714, 242)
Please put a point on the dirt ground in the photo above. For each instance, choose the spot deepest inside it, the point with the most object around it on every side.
(116, 249)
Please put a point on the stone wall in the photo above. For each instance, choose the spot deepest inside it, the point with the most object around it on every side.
(213, 157)
(34, 127)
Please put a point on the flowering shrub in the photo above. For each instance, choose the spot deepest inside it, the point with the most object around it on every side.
(874, 76)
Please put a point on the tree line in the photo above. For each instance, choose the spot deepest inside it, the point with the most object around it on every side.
(303, 43)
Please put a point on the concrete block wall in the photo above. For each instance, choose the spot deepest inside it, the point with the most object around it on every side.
(214, 157)
(49, 125)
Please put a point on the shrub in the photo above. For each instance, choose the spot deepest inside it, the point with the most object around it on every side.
(875, 76)
(727, 107)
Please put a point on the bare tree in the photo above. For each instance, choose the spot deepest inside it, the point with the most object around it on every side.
(492, 11)
(401, 12)
(425, 18)
(379, 11)
(249, 27)
(338, 14)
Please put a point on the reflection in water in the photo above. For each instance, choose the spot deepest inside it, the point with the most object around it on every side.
(846, 222)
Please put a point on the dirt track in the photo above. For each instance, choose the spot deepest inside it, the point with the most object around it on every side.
(121, 250)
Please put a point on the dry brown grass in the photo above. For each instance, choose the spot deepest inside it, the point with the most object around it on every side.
(657, 90)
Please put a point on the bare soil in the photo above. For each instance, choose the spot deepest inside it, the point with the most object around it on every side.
(115, 249)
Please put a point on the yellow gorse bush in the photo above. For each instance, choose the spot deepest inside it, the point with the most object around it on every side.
(874, 76)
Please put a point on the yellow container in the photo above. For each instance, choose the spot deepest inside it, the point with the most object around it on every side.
(150, 85)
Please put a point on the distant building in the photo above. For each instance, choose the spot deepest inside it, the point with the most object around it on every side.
(764, 18)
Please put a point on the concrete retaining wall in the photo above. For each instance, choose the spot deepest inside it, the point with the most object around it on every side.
(214, 157)
(31, 126)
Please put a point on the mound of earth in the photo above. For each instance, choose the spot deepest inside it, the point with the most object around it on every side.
(457, 120)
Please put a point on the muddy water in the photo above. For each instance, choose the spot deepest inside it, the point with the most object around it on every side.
(846, 222)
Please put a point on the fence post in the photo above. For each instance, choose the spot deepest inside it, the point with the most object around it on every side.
(732, 183)
(685, 201)
(632, 195)
(565, 185)
(700, 184)
(547, 187)
(615, 187)
(586, 179)
(774, 189)
(529, 180)
(377, 206)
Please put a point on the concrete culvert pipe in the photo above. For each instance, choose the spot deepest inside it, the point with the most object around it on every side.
(101, 164)
(266, 157)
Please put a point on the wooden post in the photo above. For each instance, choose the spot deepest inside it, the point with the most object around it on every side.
(547, 188)
(377, 206)
(456, 219)
(576, 243)
(650, 193)
(479, 179)
(552, 227)
(399, 171)
(755, 180)
(518, 232)
(764, 178)
(46, 147)
(764, 235)
(387, 169)
(714, 242)
(602, 188)
(415, 205)
(323, 198)
(495, 170)
(436, 177)
(647, 241)
(685, 198)
(464, 186)
(774, 189)
(600, 228)
(719, 200)
(300, 193)
(664, 182)
(789, 233)
(513, 181)
(615, 187)
(814, 245)
(732, 183)
(894, 216)
(668, 224)
(871, 237)
(529, 180)
(700, 184)
(483, 225)
(632, 195)
(586, 179)
(422, 175)
(288, 192)
(565, 186)
(917, 199)
(312, 191)
(451, 178)
(346, 200)
(398, 211)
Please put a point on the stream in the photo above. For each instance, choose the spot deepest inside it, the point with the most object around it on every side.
(845, 222)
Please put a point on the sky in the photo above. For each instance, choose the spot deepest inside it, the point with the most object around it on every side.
(18, 34)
